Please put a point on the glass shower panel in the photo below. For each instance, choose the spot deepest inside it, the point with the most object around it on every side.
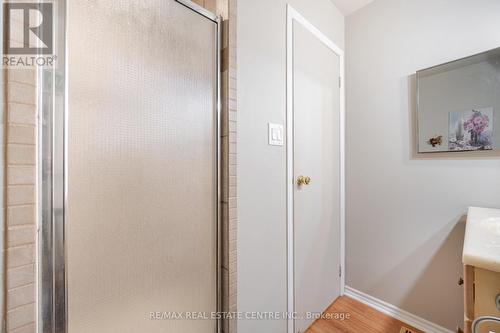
(141, 211)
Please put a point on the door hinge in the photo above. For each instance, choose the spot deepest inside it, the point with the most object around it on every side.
(340, 271)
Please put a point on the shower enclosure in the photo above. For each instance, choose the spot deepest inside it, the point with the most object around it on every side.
(129, 159)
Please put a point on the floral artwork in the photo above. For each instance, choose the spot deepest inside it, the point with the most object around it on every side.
(471, 130)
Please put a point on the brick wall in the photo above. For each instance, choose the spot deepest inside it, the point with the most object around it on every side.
(21, 116)
(227, 10)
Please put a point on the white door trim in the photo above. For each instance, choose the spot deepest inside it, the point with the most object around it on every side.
(293, 15)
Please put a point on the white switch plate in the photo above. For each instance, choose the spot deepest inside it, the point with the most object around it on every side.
(276, 134)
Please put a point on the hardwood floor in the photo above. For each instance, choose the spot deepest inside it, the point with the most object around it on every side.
(362, 319)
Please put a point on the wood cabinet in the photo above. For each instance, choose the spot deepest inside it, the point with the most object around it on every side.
(481, 289)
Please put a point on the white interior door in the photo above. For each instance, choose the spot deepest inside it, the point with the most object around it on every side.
(141, 210)
(316, 157)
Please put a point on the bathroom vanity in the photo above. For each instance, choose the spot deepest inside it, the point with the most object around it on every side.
(481, 259)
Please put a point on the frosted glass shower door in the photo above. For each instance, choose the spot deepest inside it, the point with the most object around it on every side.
(141, 209)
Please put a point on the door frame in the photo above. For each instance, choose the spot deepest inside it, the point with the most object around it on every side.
(295, 16)
(52, 309)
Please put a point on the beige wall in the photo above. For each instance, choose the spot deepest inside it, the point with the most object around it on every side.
(227, 10)
(20, 200)
(229, 161)
(262, 168)
(211, 5)
(404, 229)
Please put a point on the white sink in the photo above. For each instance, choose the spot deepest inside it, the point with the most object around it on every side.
(482, 239)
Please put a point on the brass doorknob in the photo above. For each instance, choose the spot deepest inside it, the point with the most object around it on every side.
(301, 180)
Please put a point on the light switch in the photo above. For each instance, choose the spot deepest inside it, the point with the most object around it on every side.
(276, 134)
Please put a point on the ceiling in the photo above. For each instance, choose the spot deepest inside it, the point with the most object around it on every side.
(347, 7)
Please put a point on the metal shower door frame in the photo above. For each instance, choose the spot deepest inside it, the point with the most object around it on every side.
(52, 178)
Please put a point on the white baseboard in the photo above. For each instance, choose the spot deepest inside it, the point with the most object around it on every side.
(395, 312)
